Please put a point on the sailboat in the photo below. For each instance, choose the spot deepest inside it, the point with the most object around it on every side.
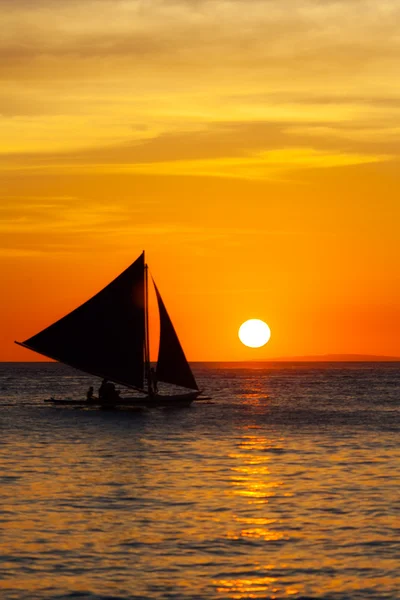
(108, 336)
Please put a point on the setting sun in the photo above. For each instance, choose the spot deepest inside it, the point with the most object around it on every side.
(254, 333)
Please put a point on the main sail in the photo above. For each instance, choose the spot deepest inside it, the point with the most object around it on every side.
(105, 335)
(172, 366)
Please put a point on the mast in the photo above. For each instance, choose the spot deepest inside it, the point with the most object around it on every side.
(146, 328)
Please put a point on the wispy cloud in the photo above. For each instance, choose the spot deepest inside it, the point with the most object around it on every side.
(259, 150)
(20, 253)
(260, 90)
(34, 227)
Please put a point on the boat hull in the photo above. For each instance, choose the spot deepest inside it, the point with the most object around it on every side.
(160, 400)
(146, 402)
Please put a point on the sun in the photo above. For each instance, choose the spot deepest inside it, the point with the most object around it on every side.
(254, 333)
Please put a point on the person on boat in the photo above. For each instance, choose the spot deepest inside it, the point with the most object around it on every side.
(103, 388)
(153, 382)
(109, 395)
(89, 394)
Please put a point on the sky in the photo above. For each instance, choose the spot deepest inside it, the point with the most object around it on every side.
(251, 147)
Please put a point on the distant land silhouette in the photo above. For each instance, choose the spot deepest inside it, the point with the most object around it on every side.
(336, 358)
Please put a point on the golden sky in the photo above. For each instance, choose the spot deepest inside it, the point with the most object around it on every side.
(251, 147)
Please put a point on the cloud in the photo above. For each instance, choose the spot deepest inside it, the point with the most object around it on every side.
(20, 253)
(258, 150)
(38, 226)
(128, 85)
(191, 33)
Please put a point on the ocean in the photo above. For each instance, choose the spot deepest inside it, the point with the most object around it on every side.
(285, 484)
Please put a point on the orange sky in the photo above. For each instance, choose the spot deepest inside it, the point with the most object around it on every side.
(251, 147)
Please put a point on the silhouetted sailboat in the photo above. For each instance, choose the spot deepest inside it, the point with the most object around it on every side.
(108, 336)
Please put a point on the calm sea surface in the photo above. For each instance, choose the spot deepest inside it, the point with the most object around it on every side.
(284, 485)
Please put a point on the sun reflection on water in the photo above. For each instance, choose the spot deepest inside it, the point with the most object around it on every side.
(252, 476)
(254, 483)
(246, 588)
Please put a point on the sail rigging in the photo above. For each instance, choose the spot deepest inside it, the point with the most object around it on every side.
(172, 366)
(105, 335)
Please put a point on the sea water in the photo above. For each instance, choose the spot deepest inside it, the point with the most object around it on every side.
(285, 484)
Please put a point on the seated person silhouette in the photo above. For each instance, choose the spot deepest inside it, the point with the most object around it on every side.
(153, 387)
(102, 388)
(109, 395)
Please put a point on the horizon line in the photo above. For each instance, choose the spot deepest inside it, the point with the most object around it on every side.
(346, 358)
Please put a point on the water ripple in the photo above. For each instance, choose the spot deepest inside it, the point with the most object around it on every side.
(284, 485)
